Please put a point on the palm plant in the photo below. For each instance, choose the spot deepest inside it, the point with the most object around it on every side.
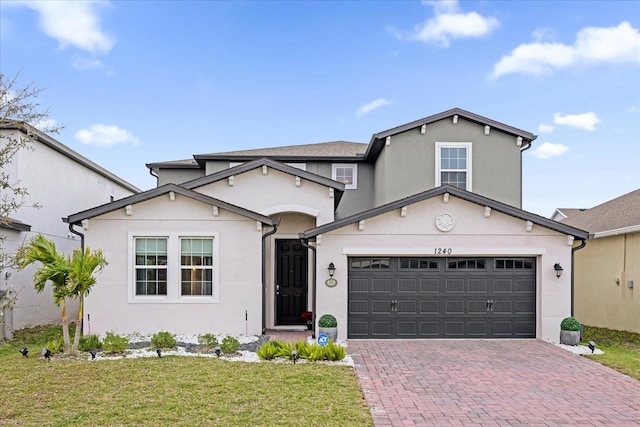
(80, 281)
(55, 269)
(71, 277)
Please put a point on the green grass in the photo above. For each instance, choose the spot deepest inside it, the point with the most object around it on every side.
(621, 349)
(171, 391)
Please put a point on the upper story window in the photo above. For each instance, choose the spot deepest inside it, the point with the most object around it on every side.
(453, 164)
(347, 173)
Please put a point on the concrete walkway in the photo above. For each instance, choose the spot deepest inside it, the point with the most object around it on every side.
(490, 383)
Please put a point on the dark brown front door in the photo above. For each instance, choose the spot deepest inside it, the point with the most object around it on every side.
(291, 281)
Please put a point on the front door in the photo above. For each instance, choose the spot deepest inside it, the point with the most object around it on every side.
(291, 281)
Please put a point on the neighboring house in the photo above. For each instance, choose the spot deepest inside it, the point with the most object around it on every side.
(58, 179)
(423, 226)
(607, 270)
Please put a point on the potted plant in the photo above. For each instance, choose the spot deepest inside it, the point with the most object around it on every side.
(328, 325)
(307, 316)
(569, 331)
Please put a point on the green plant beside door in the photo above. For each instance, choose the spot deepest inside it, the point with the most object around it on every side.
(328, 324)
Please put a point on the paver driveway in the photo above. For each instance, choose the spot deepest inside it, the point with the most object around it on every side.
(490, 383)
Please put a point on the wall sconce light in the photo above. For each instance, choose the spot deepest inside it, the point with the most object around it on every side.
(558, 268)
(332, 269)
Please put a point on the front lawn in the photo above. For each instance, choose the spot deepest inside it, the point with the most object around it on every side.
(171, 390)
(621, 349)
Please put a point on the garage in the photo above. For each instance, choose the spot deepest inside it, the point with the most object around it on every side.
(441, 297)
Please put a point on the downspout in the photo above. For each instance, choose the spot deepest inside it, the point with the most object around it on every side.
(573, 250)
(157, 177)
(264, 274)
(313, 283)
(522, 150)
(77, 233)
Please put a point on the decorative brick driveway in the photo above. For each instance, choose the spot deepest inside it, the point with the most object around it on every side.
(490, 383)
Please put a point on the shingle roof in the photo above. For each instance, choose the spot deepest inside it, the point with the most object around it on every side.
(324, 149)
(621, 213)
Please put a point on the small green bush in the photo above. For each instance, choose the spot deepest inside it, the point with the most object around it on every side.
(55, 345)
(328, 321)
(570, 324)
(89, 342)
(334, 351)
(229, 345)
(269, 350)
(113, 343)
(208, 340)
(163, 340)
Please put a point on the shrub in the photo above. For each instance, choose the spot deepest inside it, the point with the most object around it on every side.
(163, 340)
(334, 352)
(269, 350)
(570, 324)
(229, 345)
(327, 321)
(89, 342)
(208, 340)
(114, 343)
(55, 345)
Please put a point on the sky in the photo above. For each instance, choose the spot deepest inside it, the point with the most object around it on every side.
(136, 82)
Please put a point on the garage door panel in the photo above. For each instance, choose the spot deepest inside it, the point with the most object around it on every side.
(442, 297)
(407, 285)
(358, 285)
(454, 307)
(454, 286)
(381, 285)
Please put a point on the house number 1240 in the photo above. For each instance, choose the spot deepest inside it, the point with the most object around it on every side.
(442, 251)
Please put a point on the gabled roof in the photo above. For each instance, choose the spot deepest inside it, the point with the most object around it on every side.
(319, 151)
(618, 216)
(13, 224)
(77, 218)
(457, 192)
(66, 151)
(561, 214)
(255, 164)
(378, 139)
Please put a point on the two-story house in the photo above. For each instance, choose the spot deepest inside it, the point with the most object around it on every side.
(58, 180)
(417, 234)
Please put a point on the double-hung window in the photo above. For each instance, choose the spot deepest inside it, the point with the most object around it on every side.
(453, 164)
(196, 266)
(347, 173)
(151, 265)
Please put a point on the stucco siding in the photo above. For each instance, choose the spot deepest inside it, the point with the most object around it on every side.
(178, 176)
(274, 192)
(415, 234)
(407, 165)
(113, 305)
(60, 186)
(600, 300)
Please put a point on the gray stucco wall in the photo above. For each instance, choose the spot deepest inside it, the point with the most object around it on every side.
(407, 165)
(178, 176)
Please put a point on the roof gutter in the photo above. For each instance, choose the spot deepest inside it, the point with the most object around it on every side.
(573, 250)
(305, 243)
(77, 233)
(264, 274)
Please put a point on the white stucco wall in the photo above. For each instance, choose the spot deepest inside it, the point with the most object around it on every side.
(112, 305)
(275, 192)
(61, 186)
(415, 234)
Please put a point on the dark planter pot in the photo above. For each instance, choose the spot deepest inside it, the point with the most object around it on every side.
(332, 333)
(570, 337)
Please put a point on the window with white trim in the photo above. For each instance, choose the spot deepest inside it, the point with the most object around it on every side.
(347, 173)
(151, 265)
(173, 268)
(453, 164)
(196, 266)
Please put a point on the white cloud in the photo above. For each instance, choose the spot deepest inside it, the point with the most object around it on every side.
(449, 23)
(367, 108)
(619, 44)
(73, 23)
(586, 121)
(104, 135)
(83, 64)
(545, 128)
(548, 150)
